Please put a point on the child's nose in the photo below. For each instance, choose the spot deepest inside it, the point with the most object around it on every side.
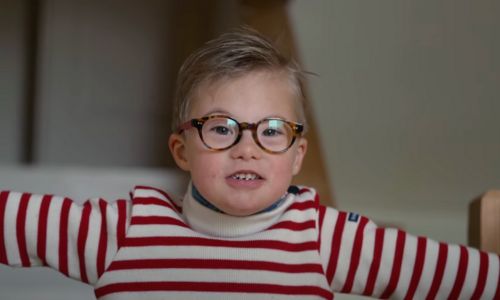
(246, 148)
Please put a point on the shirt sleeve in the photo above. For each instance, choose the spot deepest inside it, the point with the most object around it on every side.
(45, 230)
(360, 258)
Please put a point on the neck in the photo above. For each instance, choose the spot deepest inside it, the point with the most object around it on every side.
(206, 220)
(203, 201)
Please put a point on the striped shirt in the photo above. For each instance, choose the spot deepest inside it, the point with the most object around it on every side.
(158, 247)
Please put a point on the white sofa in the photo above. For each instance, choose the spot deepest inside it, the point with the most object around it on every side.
(78, 183)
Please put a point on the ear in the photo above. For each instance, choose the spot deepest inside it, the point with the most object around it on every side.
(177, 146)
(299, 155)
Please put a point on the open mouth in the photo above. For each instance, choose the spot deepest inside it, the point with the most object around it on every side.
(247, 176)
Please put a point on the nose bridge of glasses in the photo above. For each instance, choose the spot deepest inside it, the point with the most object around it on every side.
(252, 127)
(249, 126)
(251, 135)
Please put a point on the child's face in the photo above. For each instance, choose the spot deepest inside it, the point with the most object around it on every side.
(249, 98)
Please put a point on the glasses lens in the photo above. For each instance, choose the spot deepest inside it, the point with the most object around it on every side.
(275, 135)
(219, 132)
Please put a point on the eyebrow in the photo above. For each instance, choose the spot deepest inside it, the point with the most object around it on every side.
(217, 111)
(224, 112)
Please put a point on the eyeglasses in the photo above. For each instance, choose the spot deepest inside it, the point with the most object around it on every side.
(219, 132)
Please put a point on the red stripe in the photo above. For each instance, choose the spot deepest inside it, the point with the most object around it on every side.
(103, 239)
(316, 200)
(222, 287)
(336, 240)
(163, 193)
(82, 239)
(461, 272)
(42, 229)
(438, 274)
(156, 220)
(481, 276)
(418, 267)
(295, 226)
(177, 207)
(63, 237)
(3, 204)
(322, 211)
(377, 256)
(214, 264)
(21, 230)
(121, 224)
(301, 205)
(196, 241)
(396, 267)
(152, 201)
(355, 256)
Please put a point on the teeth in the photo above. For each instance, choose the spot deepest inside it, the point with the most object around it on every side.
(245, 176)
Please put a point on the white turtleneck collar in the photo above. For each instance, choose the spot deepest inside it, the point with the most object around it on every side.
(208, 221)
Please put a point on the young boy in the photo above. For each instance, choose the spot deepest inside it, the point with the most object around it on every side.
(240, 231)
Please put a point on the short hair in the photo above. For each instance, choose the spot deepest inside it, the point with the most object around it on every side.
(233, 54)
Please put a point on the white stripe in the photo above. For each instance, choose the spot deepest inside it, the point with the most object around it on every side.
(407, 266)
(147, 210)
(329, 221)
(471, 276)
(450, 272)
(112, 221)
(430, 263)
(284, 235)
(92, 244)
(53, 225)
(202, 252)
(31, 230)
(298, 215)
(162, 231)
(74, 220)
(386, 261)
(279, 235)
(147, 193)
(10, 237)
(366, 258)
(492, 279)
(213, 275)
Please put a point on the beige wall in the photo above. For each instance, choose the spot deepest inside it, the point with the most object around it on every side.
(408, 104)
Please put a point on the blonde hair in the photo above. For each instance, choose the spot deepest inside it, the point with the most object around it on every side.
(233, 54)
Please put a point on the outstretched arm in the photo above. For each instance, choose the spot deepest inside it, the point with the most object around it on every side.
(360, 258)
(45, 230)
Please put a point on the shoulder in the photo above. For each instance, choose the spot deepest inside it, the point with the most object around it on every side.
(304, 194)
(147, 195)
(333, 216)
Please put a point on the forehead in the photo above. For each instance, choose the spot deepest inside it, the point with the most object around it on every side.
(248, 97)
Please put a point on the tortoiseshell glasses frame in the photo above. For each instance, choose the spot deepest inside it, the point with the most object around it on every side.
(277, 136)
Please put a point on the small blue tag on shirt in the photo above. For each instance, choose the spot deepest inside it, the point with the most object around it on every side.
(353, 217)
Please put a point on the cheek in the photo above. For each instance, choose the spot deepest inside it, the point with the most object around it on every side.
(283, 168)
(205, 167)
(200, 160)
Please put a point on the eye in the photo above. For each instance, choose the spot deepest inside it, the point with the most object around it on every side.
(222, 130)
(271, 132)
